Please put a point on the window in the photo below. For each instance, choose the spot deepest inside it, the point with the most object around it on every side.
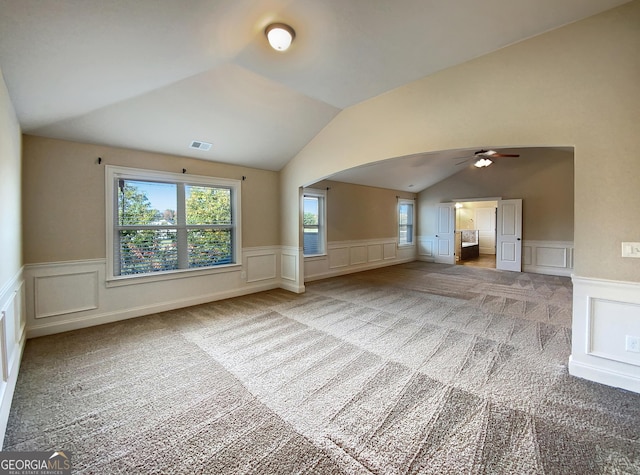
(313, 222)
(161, 223)
(405, 222)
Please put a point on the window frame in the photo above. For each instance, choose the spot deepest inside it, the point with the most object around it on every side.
(412, 224)
(322, 218)
(115, 173)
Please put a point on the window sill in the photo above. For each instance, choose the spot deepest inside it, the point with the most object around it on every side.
(314, 257)
(402, 246)
(170, 275)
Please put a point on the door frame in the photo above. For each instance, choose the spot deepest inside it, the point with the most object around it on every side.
(514, 265)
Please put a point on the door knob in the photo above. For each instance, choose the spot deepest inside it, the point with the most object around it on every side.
(518, 239)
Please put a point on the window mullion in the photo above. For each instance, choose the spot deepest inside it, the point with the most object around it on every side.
(183, 249)
(117, 264)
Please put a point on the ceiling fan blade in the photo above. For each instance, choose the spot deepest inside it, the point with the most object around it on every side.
(504, 155)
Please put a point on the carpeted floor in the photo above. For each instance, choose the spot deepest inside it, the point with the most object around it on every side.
(417, 368)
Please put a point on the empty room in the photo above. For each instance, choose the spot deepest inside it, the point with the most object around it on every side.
(320, 237)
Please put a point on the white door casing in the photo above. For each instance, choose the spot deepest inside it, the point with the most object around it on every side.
(509, 235)
(445, 244)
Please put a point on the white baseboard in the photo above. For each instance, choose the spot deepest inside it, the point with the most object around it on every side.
(354, 269)
(75, 323)
(292, 287)
(598, 374)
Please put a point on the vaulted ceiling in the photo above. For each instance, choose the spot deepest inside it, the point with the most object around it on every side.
(156, 75)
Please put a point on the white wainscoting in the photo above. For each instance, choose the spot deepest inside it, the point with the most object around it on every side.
(345, 257)
(548, 257)
(261, 265)
(539, 257)
(604, 313)
(12, 340)
(64, 296)
(291, 261)
(51, 298)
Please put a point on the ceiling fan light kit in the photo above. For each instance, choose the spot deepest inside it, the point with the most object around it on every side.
(483, 162)
(482, 159)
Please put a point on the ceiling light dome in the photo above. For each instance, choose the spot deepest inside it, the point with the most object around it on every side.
(280, 36)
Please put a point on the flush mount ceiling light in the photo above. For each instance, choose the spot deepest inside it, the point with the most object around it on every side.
(280, 36)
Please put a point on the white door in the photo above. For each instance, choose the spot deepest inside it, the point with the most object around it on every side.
(445, 244)
(509, 235)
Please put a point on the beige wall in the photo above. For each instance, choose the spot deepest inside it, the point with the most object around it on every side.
(10, 229)
(574, 86)
(64, 197)
(356, 212)
(543, 178)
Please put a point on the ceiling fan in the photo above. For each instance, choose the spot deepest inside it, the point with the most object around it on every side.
(483, 157)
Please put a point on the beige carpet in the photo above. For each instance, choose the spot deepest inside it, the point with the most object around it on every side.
(417, 368)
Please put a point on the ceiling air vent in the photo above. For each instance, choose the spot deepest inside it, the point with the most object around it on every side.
(198, 145)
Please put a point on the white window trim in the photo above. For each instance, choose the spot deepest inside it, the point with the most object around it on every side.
(402, 201)
(321, 213)
(115, 172)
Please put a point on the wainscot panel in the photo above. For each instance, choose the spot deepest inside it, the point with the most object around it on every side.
(357, 255)
(338, 256)
(548, 257)
(604, 314)
(261, 266)
(65, 293)
(374, 252)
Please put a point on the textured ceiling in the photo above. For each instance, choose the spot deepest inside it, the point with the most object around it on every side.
(155, 75)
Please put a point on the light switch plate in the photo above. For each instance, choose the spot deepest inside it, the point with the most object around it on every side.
(631, 249)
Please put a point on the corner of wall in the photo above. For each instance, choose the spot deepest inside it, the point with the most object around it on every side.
(12, 341)
(604, 313)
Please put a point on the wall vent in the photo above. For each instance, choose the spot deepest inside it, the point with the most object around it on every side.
(199, 145)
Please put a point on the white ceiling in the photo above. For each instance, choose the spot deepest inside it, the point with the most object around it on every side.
(155, 75)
